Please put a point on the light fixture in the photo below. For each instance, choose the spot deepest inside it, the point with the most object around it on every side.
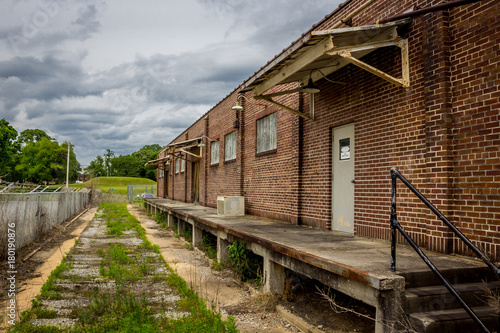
(201, 144)
(237, 107)
(167, 164)
(179, 155)
(310, 88)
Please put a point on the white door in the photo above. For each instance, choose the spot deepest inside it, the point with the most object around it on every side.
(343, 179)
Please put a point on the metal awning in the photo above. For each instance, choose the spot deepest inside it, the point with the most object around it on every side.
(158, 161)
(323, 52)
(177, 147)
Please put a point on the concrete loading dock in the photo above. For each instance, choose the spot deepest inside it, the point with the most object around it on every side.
(356, 266)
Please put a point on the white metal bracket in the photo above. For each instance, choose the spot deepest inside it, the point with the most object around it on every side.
(404, 82)
(269, 98)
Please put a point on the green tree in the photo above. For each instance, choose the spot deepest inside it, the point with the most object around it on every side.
(96, 168)
(147, 153)
(9, 149)
(126, 166)
(32, 135)
(45, 160)
(108, 155)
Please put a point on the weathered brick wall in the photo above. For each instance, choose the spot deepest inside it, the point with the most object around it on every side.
(270, 178)
(222, 179)
(475, 77)
(442, 133)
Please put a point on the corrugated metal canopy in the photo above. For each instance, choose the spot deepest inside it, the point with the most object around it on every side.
(318, 54)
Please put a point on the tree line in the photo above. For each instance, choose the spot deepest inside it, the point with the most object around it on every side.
(34, 156)
(132, 165)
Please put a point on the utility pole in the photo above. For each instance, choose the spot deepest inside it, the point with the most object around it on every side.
(67, 169)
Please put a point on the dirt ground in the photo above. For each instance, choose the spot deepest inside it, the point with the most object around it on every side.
(253, 310)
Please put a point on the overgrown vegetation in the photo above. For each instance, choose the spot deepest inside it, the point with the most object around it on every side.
(247, 264)
(122, 310)
(209, 245)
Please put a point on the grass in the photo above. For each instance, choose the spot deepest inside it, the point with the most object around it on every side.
(115, 185)
(121, 310)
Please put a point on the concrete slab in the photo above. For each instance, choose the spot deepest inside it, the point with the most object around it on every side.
(334, 252)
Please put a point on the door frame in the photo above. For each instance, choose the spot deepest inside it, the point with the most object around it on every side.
(353, 153)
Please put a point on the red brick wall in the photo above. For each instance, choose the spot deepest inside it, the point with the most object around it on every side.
(475, 59)
(222, 179)
(442, 133)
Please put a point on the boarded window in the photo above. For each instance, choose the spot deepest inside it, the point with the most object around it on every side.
(267, 133)
(183, 165)
(214, 152)
(177, 165)
(230, 146)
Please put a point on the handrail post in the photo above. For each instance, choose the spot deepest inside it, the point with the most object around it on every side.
(393, 218)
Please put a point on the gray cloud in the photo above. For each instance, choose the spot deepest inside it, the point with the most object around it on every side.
(52, 77)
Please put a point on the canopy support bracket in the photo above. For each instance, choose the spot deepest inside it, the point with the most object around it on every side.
(403, 82)
(269, 99)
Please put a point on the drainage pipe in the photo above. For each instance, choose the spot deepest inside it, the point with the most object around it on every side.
(426, 10)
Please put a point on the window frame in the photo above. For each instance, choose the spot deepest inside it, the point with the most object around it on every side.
(212, 155)
(271, 148)
(233, 150)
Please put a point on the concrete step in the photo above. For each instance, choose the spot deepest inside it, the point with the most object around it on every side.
(435, 298)
(454, 276)
(454, 320)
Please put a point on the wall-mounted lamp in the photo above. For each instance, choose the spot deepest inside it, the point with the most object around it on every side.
(310, 88)
(168, 163)
(201, 144)
(238, 108)
(179, 155)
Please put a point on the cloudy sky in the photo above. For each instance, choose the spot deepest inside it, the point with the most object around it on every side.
(121, 74)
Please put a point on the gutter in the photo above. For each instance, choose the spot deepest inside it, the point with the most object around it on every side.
(423, 11)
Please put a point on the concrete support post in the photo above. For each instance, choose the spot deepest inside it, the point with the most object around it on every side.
(197, 236)
(222, 252)
(274, 276)
(389, 312)
(170, 220)
(181, 227)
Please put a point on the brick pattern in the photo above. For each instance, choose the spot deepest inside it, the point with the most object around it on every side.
(442, 133)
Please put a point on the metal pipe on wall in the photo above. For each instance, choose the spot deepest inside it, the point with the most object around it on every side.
(418, 12)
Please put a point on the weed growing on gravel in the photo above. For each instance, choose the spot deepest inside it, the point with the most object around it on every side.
(49, 291)
(202, 319)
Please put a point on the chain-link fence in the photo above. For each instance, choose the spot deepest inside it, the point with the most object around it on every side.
(26, 216)
(137, 192)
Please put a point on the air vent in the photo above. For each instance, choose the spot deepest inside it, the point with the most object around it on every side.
(231, 206)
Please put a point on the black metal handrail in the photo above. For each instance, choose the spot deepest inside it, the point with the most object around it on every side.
(395, 174)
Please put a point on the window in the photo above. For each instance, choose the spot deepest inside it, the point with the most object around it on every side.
(177, 165)
(230, 146)
(183, 165)
(214, 152)
(267, 133)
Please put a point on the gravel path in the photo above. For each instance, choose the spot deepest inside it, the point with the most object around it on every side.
(81, 278)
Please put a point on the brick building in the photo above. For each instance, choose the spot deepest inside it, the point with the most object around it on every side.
(418, 92)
